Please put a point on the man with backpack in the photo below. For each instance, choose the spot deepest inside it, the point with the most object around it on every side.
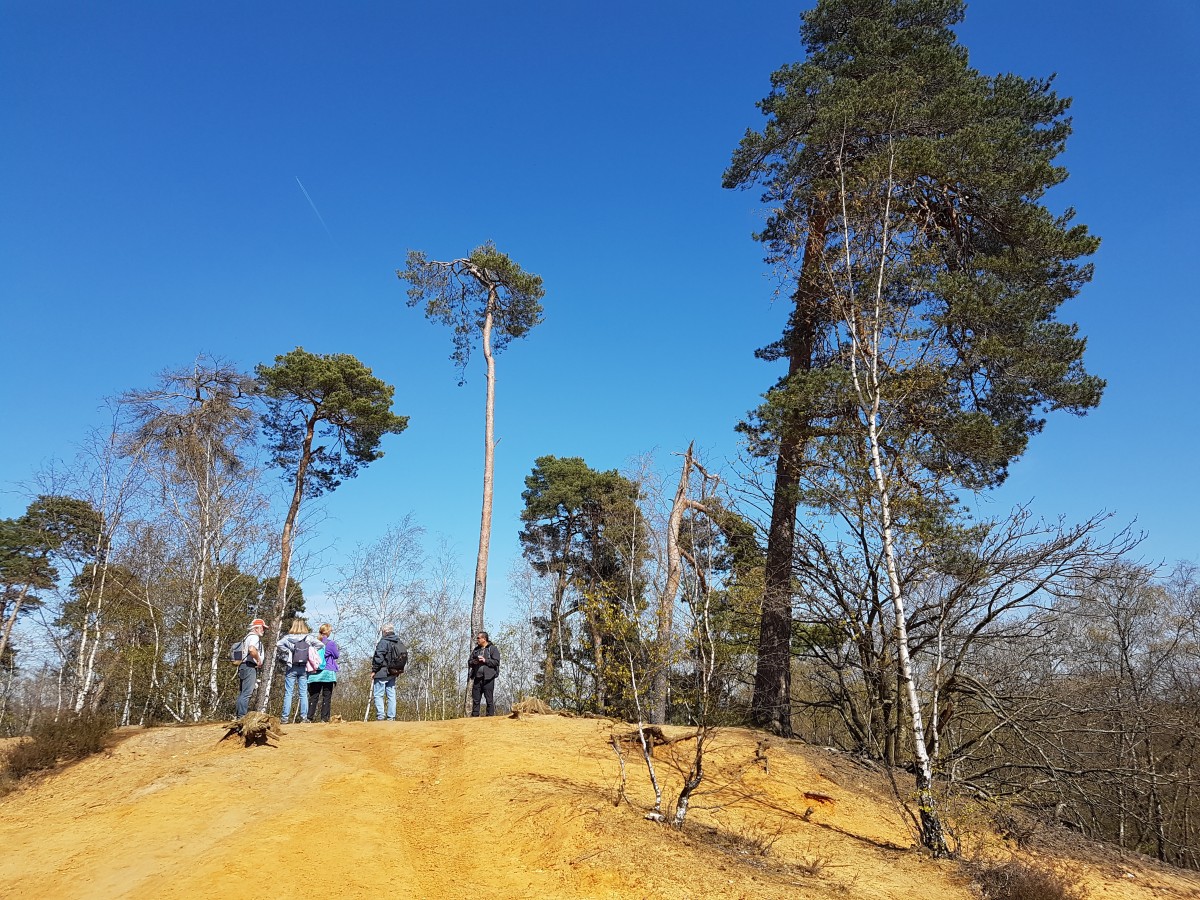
(252, 658)
(388, 661)
(485, 666)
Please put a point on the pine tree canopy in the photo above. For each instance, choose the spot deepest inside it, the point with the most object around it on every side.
(338, 398)
(886, 123)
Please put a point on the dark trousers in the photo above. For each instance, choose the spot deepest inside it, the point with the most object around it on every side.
(483, 688)
(322, 690)
(248, 680)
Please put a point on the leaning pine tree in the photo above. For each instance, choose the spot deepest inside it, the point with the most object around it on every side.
(326, 415)
(907, 196)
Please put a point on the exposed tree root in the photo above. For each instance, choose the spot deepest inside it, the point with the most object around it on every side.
(256, 728)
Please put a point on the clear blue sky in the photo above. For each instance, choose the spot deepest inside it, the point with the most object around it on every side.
(150, 211)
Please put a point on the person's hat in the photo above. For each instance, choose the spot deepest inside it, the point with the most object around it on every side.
(258, 622)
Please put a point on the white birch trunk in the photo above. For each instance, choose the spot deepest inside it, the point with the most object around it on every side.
(128, 697)
(866, 338)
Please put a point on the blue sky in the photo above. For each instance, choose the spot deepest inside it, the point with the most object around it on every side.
(148, 181)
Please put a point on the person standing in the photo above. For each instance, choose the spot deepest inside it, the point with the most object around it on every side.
(249, 666)
(293, 649)
(485, 666)
(387, 662)
(320, 684)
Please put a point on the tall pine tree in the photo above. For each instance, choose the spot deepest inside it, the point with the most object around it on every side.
(886, 103)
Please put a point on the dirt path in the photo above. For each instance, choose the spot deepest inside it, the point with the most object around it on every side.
(498, 807)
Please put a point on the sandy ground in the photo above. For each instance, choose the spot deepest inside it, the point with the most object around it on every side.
(491, 807)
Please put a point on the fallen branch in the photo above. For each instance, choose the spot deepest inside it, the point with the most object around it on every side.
(654, 737)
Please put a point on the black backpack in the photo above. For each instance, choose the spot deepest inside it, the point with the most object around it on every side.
(395, 657)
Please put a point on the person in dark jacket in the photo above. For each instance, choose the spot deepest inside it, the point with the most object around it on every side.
(485, 666)
(386, 663)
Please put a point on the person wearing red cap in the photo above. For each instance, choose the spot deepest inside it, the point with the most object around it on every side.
(248, 670)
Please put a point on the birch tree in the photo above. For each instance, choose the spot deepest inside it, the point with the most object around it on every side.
(112, 480)
(194, 433)
(484, 298)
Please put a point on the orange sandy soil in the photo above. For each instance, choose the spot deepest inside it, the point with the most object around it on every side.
(493, 808)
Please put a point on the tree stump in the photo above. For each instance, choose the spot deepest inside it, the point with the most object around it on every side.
(256, 729)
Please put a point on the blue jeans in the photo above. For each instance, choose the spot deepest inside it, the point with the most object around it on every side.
(381, 687)
(248, 679)
(294, 675)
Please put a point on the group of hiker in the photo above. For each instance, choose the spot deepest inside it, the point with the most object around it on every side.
(310, 665)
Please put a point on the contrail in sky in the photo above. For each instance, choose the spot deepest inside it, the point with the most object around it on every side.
(314, 208)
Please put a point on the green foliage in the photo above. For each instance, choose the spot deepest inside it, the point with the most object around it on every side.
(66, 527)
(52, 528)
(334, 397)
(295, 599)
(116, 588)
(724, 538)
(886, 108)
(461, 293)
(565, 503)
(584, 528)
(24, 557)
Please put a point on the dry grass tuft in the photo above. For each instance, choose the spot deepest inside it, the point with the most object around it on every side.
(51, 743)
(1015, 879)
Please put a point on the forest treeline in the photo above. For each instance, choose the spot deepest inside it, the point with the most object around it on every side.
(833, 585)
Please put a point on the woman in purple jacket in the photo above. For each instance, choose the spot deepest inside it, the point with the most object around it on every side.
(320, 684)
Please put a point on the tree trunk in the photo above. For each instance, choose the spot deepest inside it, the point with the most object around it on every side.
(554, 642)
(599, 695)
(154, 659)
(694, 777)
(205, 502)
(275, 627)
(489, 452)
(666, 602)
(12, 619)
(770, 706)
(932, 833)
(485, 517)
(85, 684)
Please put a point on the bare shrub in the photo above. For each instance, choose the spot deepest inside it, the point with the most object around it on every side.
(52, 742)
(759, 840)
(812, 864)
(1015, 879)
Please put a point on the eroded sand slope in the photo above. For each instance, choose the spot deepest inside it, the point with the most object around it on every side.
(490, 807)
